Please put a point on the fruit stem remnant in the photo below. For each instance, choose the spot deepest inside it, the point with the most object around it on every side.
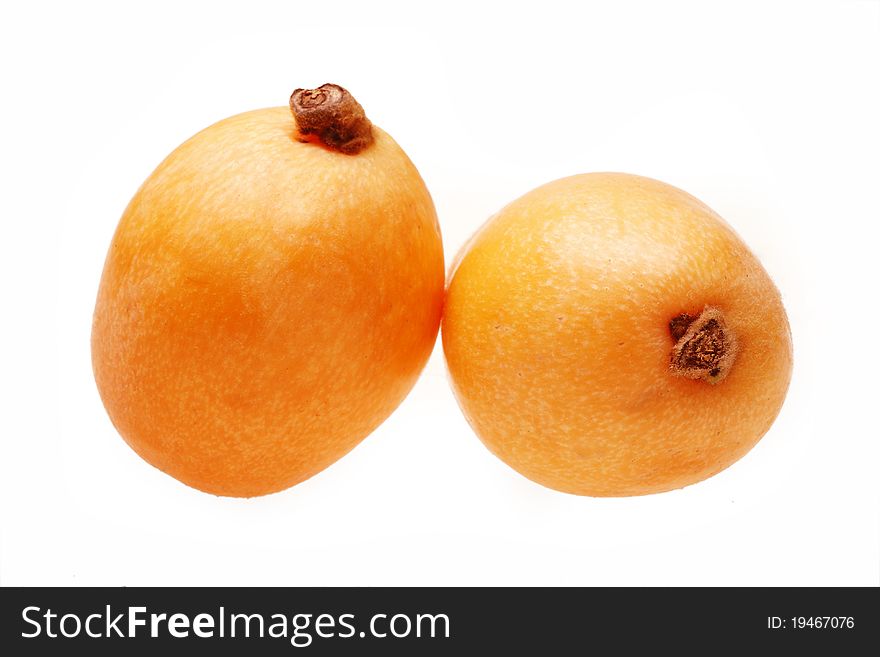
(333, 116)
(705, 347)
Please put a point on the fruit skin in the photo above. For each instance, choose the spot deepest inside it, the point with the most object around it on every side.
(266, 304)
(557, 339)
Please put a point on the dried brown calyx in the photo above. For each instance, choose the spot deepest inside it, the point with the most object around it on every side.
(705, 347)
(332, 115)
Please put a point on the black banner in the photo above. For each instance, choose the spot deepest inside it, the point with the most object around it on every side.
(418, 621)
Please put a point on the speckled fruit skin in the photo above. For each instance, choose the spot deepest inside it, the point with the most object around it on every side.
(556, 336)
(266, 304)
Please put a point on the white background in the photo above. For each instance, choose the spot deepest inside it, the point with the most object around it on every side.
(768, 112)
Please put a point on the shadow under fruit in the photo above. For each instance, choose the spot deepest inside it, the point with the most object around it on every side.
(610, 335)
(270, 296)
